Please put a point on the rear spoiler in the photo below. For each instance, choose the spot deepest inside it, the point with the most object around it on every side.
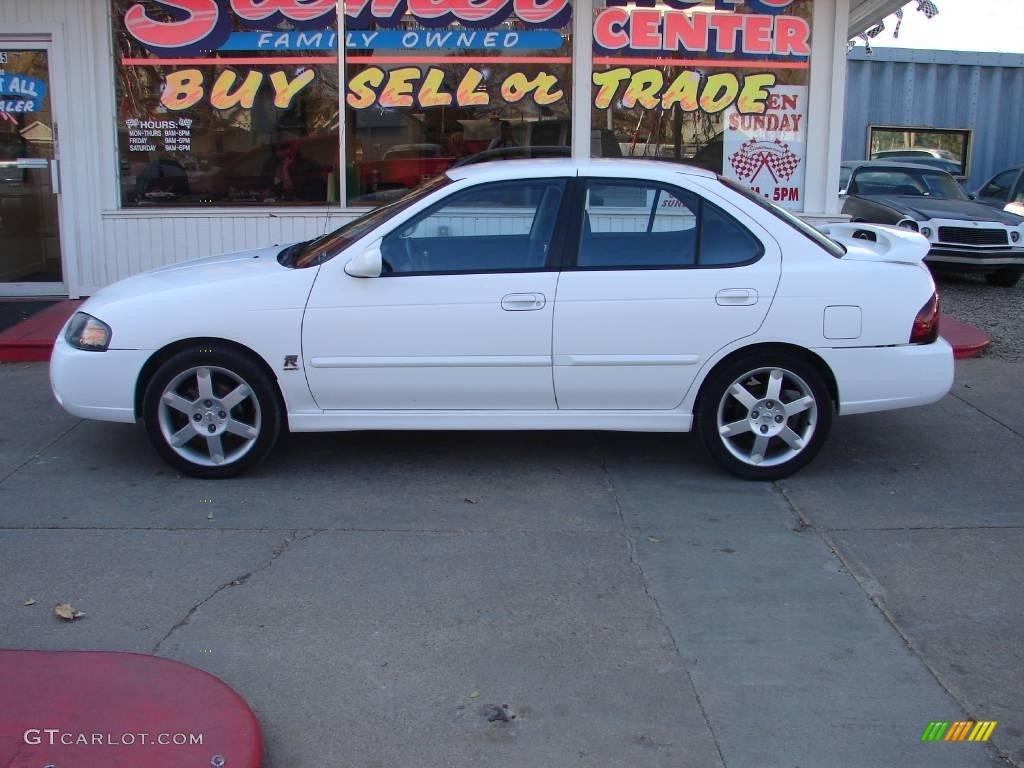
(876, 242)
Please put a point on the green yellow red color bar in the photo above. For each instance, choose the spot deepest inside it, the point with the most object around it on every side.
(959, 730)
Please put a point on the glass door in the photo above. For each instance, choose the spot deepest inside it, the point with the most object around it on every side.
(30, 253)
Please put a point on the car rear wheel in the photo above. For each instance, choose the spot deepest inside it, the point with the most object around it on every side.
(1006, 277)
(212, 413)
(764, 416)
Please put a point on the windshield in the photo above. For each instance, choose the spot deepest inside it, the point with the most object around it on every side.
(907, 182)
(835, 249)
(314, 252)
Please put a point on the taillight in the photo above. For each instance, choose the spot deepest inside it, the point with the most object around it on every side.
(926, 324)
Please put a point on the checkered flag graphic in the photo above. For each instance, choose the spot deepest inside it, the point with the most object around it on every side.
(777, 157)
(927, 7)
(785, 163)
(746, 161)
(899, 23)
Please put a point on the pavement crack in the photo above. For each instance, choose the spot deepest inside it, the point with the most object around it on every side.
(40, 452)
(634, 561)
(802, 523)
(873, 592)
(987, 415)
(279, 549)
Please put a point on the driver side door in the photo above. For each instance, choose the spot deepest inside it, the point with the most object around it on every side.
(459, 319)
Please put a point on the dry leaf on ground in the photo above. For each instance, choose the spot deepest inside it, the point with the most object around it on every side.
(66, 611)
(30, 601)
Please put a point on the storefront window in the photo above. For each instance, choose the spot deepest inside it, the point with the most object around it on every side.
(721, 84)
(227, 103)
(434, 85)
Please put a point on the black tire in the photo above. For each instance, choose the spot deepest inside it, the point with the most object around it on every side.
(1007, 277)
(259, 415)
(800, 376)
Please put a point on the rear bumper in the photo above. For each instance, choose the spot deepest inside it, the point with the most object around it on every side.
(886, 378)
(96, 385)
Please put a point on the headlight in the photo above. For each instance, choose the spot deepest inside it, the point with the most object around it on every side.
(87, 333)
(926, 231)
(907, 224)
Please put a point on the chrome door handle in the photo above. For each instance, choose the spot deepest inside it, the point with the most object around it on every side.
(523, 302)
(736, 297)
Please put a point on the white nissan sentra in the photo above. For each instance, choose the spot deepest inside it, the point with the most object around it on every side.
(529, 295)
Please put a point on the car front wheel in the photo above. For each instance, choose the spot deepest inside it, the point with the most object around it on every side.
(764, 416)
(211, 413)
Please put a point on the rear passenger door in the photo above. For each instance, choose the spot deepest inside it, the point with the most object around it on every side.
(662, 279)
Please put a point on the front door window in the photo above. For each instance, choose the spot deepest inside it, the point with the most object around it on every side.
(29, 227)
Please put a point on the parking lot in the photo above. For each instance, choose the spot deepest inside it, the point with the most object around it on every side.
(373, 595)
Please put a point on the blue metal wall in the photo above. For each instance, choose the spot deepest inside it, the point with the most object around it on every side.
(939, 89)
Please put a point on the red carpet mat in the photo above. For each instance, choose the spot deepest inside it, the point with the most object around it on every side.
(74, 709)
(31, 340)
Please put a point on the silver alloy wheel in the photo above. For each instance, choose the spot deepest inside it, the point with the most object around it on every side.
(209, 416)
(767, 416)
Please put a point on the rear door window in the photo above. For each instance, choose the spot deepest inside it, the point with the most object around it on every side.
(629, 225)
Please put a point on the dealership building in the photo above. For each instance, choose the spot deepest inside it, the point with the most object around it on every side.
(139, 133)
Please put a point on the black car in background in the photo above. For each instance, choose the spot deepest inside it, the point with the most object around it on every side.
(964, 234)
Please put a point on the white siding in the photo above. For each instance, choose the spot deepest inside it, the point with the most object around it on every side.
(135, 242)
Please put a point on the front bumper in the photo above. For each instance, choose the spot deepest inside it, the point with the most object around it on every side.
(967, 256)
(886, 378)
(96, 385)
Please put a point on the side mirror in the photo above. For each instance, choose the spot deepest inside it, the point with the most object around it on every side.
(369, 263)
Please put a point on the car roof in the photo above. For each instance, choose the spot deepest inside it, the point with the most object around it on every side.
(890, 164)
(556, 166)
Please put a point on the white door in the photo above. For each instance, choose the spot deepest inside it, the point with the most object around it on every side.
(30, 257)
(662, 281)
(461, 317)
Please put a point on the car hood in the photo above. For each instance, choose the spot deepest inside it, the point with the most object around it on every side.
(197, 297)
(924, 208)
(199, 273)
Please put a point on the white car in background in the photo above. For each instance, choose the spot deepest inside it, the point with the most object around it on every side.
(550, 294)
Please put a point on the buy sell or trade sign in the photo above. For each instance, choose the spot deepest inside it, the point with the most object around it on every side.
(682, 53)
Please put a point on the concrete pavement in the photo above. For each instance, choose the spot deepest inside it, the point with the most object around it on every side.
(371, 594)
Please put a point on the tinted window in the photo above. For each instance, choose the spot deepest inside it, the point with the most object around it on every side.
(634, 225)
(835, 249)
(893, 181)
(649, 226)
(493, 227)
(724, 241)
(999, 187)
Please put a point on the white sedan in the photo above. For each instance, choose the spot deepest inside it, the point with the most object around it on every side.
(552, 294)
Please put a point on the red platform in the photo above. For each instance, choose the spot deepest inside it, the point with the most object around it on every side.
(31, 340)
(90, 705)
(966, 340)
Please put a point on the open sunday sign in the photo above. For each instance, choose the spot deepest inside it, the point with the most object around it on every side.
(20, 93)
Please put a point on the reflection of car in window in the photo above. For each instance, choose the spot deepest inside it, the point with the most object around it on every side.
(934, 158)
(964, 234)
